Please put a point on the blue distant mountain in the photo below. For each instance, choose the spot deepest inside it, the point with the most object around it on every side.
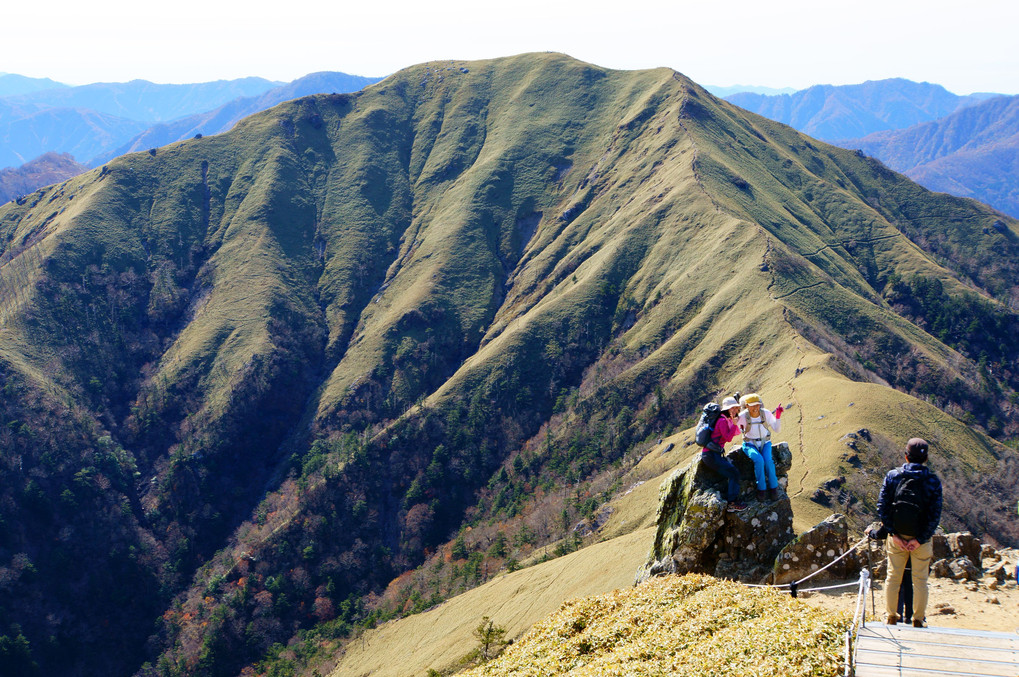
(30, 130)
(147, 101)
(832, 113)
(973, 152)
(12, 84)
(99, 121)
(753, 89)
(226, 116)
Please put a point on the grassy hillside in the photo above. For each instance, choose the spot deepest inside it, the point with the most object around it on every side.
(300, 363)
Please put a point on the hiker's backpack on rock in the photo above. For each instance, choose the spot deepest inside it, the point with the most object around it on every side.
(706, 426)
(909, 508)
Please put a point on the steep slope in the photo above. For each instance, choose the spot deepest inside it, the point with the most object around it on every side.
(971, 153)
(299, 356)
(226, 116)
(849, 111)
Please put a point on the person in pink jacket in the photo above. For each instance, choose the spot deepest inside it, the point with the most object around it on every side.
(757, 424)
(712, 456)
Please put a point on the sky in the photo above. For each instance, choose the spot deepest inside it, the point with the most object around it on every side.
(964, 46)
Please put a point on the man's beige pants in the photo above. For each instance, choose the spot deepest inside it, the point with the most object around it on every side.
(897, 558)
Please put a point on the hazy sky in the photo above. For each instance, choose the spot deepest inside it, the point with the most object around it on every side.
(965, 46)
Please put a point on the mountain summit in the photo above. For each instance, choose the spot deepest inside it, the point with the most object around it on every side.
(251, 378)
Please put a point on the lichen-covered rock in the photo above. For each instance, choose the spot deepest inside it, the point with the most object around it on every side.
(750, 540)
(814, 549)
(696, 534)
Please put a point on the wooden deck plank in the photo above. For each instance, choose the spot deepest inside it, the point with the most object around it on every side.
(905, 651)
(885, 671)
(971, 638)
(938, 663)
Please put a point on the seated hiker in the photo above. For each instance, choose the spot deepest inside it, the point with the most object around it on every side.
(717, 428)
(909, 507)
(757, 423)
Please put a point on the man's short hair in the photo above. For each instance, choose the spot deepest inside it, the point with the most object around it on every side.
(916, 450)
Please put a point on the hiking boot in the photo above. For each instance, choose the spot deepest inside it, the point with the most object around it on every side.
(918, 623)
(773, 494)
(761, 496)
(737, 506)
(892, 619)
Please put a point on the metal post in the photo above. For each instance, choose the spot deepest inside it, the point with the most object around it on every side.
(870, 568)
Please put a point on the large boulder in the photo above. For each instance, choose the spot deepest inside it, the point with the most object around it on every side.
(955, 545)
(696, 533)
(965, 544)
(813, 549)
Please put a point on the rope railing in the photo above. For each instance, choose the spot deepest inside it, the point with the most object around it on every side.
(859, 621)
(860, 614)
(794, 587)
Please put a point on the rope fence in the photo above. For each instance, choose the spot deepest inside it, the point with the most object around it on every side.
(794, 587)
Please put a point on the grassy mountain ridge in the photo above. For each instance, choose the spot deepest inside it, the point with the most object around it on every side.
(315, 338)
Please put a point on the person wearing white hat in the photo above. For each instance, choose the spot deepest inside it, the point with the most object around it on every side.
(757, 423)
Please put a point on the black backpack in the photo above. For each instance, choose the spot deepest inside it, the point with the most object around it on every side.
(909, 506)
(706, 426)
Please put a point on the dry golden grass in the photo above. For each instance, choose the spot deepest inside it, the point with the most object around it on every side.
(689, 625)
(439, 637)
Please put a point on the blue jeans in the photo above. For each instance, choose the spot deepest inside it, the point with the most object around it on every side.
(764, 464)
(724, 467)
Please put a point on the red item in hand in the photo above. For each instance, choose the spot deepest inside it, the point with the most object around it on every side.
(778, 411)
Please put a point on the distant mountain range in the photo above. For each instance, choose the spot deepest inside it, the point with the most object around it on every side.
(95, 122)
(736, 89)
(831, 113)
(963, 145)
(973, 152)
(146, 101)
(12, 84)
(226, 116)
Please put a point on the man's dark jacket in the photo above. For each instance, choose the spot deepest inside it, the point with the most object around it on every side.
(932, 498)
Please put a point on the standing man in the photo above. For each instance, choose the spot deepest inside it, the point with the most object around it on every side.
(909, 507)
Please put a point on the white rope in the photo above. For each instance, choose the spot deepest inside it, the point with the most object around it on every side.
(834, 561)
(830, 587)
(795, 584)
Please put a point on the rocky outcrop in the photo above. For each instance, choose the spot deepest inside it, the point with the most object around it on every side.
(696, 533)
(814, 549)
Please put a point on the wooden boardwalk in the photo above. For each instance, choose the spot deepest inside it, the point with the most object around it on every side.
(905, 651)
